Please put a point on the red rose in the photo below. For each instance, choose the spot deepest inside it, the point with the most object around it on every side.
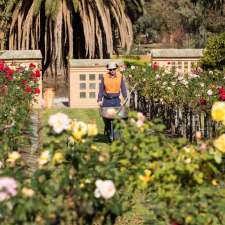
(8, 77)
(2, 65)
(10, 72)
(28, 89)
(32, 65)
(24, 82)
(202, 101)
(32, 75)
(37, 91)
(222, 96)
(221, 90)
(155, 66)
(37, 73)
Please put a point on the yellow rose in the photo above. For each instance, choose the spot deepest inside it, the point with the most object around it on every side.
(219, 143)
(77, 135)
(92, 130)
(13, 157)
(215, 182)
(28, 192)
(146, 177)
(218, 111)
(44, 158)
(58, 158)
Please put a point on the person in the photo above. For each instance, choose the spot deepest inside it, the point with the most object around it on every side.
(111, 85)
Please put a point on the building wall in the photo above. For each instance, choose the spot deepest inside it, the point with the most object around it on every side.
(84, 86)
(183, 65)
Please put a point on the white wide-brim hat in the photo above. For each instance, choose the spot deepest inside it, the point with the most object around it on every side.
(112, 65)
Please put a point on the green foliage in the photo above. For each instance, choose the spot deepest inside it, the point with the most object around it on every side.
(75, 5)
(198, 89)
(18, 86)
(214, 54)
(181, 183)
(183, 23)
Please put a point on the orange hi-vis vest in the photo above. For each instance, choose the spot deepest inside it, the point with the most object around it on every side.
(112, 83)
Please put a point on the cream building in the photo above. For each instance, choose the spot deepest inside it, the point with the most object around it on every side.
(182, 60)
(84, 80)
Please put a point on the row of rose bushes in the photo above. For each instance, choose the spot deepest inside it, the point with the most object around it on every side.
(18, 87)
(78, 183)
(198, 89)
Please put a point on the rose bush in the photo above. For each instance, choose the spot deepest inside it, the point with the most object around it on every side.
(78, 183)
(198, 89)
(182, 183)
(18, 87)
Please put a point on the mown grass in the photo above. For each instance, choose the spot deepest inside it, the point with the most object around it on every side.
(85, 115)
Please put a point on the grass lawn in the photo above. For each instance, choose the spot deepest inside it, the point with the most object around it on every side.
(85, 115)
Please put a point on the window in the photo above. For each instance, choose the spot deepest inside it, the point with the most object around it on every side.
(82, 76)
(91, 76)
(92, 85)
(100, 76)
(82, 94)
(193, 65)
(173, 67)
(91, 94)
(185, 67)
(82, 86)
(179, 65)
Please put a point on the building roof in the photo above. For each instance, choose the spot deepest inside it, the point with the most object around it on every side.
(93, 62)
(177, 53)
(20, 54)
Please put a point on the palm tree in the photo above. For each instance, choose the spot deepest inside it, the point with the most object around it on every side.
(69, 28)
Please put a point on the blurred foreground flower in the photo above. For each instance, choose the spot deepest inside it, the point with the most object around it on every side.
(79, 130)
(92, 129)
(219, 143)
(218, 111)
(105, 189)
(58, 158)
(8, 188)
(44, 158)
(28, 192)
(59, 122)
(13, 157)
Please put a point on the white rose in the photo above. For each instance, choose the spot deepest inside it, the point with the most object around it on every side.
(132, 67)
(202, 84)
(44, 158)
(59, 122)
(209, 92)
(105, 189)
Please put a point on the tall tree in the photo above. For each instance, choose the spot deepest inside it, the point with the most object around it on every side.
(69, 28)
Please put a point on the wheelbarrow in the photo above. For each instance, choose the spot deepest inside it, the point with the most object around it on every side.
(109, 114)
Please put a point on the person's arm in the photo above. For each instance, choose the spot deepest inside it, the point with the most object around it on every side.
(123, 88)
(101, 90)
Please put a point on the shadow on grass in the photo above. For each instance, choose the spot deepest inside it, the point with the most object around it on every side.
(101, 138)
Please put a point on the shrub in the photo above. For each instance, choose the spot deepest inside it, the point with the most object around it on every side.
(18, 86)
